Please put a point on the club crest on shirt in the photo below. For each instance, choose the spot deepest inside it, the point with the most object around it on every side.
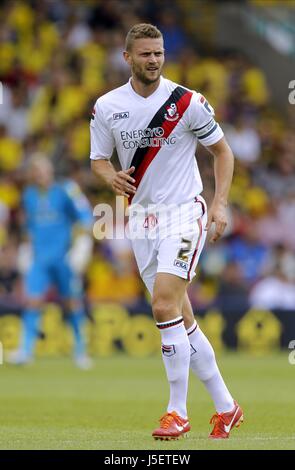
(172, 114)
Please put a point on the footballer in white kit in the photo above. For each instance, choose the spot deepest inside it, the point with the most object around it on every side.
(155, 125)
(158, 135)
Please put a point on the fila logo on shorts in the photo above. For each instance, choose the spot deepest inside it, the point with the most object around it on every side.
(181, 264)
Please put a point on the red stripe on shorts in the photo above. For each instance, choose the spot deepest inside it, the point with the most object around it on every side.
(196, 250)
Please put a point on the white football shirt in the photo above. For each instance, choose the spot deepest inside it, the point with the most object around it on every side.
(158, 135)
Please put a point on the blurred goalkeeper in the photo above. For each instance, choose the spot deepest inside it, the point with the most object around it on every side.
(52, 211)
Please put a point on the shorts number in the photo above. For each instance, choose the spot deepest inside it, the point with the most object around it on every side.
(186, 246)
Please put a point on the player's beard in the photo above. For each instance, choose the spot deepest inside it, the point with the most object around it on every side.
(141, 75)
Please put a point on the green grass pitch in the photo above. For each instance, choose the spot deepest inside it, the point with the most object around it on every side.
(115, 406)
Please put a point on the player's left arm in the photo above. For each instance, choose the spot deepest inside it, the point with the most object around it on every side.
(223, 172)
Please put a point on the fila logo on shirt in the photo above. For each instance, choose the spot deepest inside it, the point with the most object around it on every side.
(123, 115)
(172, 114)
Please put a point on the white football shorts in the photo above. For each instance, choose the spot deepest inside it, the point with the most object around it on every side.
(168, 239)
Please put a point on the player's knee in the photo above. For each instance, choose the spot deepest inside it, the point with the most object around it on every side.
(164, 310)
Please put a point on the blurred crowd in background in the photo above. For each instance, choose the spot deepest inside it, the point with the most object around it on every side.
(57, 58)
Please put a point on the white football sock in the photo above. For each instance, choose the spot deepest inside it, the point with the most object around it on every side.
(204, 365)
(176, 357)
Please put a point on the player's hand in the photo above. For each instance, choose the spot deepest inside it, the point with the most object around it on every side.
(217, 214)
(122, 182)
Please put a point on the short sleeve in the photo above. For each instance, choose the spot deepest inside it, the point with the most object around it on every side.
(101, 138)
(202, 122)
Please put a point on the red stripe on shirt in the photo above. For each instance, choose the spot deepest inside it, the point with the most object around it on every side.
(168, 127)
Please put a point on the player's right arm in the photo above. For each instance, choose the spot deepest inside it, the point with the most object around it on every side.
(102, 146)
(120, 181)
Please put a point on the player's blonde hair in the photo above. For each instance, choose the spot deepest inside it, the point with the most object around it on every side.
(140, 31)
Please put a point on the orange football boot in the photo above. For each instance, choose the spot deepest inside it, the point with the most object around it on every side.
(224, 422)
(172, 426)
